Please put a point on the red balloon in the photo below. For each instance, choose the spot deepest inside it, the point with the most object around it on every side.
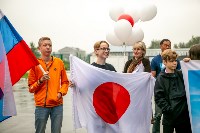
(128, 18)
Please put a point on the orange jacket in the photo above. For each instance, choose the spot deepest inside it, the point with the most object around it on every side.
(45, 94)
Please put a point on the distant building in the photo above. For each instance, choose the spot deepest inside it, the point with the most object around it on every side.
(119, 55)
(65, 52)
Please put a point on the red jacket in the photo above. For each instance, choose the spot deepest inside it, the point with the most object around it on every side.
(45, 94)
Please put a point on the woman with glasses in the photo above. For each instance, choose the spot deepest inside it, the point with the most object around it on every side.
(102, 50)
(138, 63)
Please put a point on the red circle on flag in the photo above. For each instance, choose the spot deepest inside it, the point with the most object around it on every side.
(110, 101)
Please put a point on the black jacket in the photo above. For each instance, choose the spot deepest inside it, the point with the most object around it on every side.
(170, 96)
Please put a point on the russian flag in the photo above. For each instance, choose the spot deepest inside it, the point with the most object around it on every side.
(16, 59)
(7, 104)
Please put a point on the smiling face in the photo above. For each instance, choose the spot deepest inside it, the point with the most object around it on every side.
(102, 50)
(139, 50)
(165, 45)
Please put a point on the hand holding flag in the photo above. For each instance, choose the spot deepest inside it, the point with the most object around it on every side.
(110, 102)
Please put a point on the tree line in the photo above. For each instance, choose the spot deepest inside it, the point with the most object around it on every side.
(155, 44)
(35, 51)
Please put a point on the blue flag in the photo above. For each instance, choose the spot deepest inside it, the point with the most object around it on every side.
(191, 75)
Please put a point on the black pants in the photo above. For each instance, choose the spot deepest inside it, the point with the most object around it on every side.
(182, 128)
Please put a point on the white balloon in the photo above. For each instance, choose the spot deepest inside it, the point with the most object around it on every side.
(134, 13)
(148, 12)
(122, 29)
(136, 35)
(116, 12)
(112, 39)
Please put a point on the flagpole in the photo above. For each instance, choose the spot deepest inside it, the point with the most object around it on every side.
(73, 89)
(41, 68)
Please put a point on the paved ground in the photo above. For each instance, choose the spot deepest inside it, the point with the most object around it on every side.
(24, 121)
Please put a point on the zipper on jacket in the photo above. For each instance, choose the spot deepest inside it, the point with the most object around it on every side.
(46, 88)
(48, 67)
(46, 93)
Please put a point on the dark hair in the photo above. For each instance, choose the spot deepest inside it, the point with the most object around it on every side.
(163, 40)
(194, 52)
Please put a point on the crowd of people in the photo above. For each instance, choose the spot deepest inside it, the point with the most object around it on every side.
(50, 85)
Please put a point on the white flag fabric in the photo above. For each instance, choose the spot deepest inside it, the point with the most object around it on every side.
(191, 75)
(110, 102)
(7, 103)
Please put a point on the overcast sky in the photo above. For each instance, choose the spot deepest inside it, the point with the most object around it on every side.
(80, 23)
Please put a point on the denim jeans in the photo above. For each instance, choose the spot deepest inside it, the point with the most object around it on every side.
(157, 118)
(42, 114)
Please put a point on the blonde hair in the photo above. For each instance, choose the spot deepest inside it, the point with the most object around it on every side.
(141, 45)
(169, 55)
(98, 43)
(42, 39)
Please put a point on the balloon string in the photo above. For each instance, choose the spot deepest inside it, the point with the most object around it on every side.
(124, 51)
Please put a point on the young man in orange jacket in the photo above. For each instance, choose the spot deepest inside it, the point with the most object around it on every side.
(48, 88)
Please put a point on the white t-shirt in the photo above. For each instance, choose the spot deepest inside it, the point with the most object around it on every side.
(139, 68)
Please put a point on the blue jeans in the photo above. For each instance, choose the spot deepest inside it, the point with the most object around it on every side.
(42, 114)
(157, 118)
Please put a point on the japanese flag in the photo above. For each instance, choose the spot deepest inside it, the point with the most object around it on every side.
(110, 102)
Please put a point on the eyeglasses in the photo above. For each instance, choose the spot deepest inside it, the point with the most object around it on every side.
(104, 49)
(166, 45)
